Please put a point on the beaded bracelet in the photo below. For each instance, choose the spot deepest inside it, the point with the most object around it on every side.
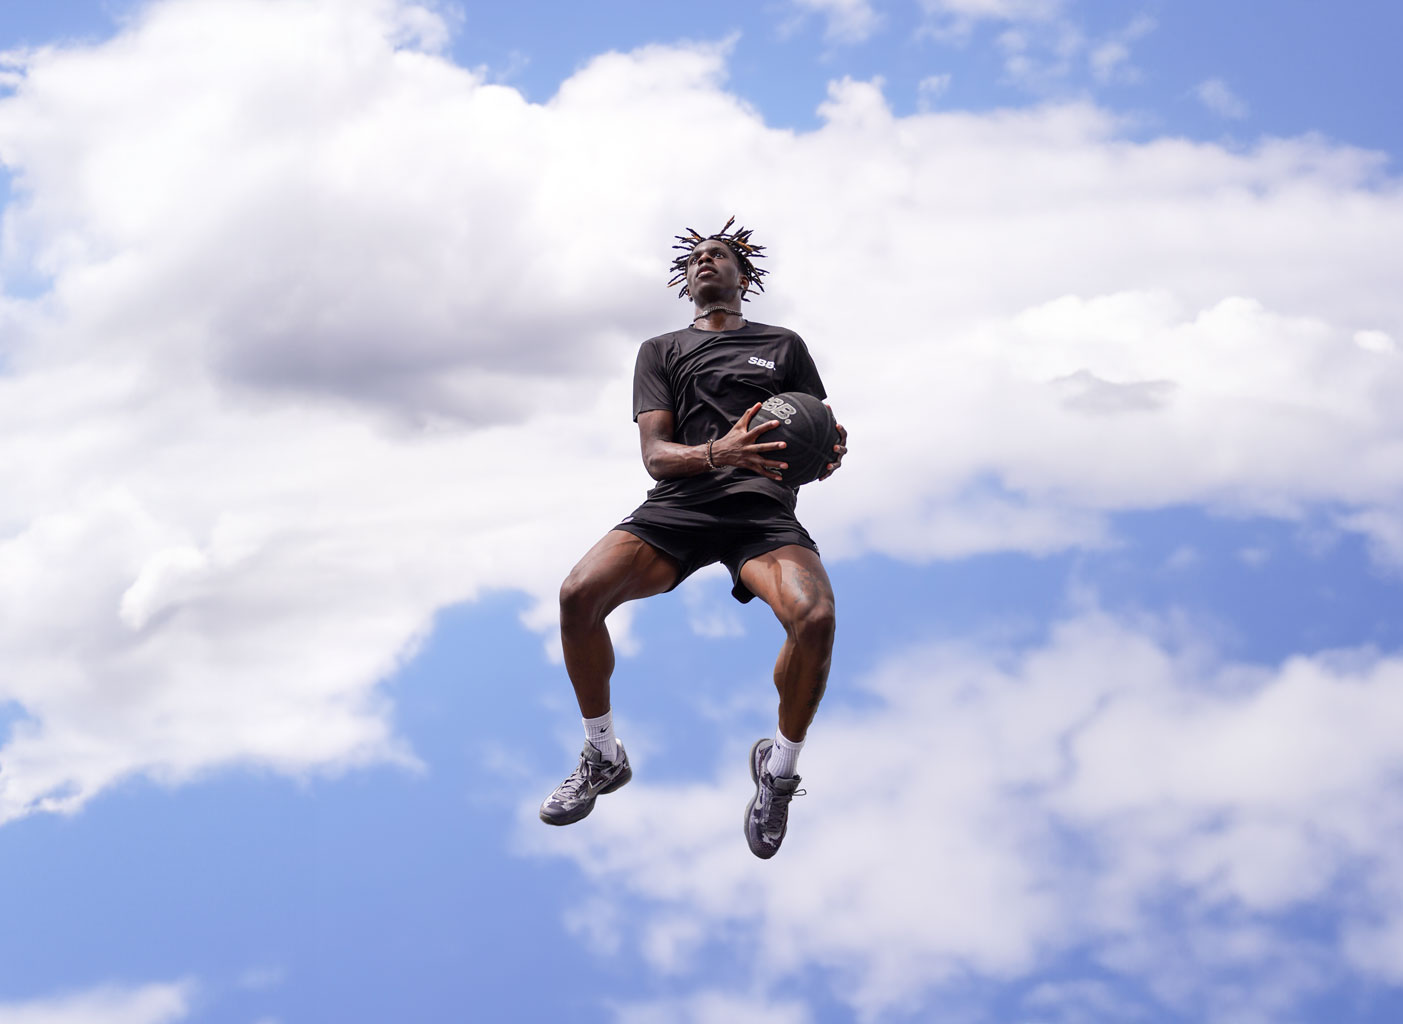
(709, 463)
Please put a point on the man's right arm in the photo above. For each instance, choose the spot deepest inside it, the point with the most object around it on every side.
(666, 459)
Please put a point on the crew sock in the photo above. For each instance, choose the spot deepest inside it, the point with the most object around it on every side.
(600, 732)
(784, 757)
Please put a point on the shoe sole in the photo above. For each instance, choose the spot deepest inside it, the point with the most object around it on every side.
(745, 825)
(583, 810)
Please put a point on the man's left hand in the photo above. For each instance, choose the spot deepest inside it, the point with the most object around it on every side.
(839, 450)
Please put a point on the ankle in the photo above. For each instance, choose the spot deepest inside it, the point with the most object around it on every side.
(600, 734)
(784, 757)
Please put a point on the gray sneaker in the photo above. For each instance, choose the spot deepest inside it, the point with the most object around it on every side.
(574, 798)
(767, 815)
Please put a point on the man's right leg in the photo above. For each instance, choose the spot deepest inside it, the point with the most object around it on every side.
(621, 567)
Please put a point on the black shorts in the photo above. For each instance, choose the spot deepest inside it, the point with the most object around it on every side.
(731, 530)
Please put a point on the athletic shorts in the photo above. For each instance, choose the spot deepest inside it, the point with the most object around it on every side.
(731, 530)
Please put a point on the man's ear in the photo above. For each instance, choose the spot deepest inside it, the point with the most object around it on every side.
(744, 284)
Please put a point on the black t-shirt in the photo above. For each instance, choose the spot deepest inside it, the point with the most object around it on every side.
(707, 379)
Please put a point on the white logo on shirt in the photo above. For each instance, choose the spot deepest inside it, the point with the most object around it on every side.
(757, 361)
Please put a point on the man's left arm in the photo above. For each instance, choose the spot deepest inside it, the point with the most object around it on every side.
(803, 377)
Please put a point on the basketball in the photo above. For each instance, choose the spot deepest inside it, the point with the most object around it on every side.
(809, 431)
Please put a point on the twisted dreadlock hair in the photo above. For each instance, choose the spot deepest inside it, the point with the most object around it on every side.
(737, 241)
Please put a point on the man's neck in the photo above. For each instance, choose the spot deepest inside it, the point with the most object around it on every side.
(717, 316)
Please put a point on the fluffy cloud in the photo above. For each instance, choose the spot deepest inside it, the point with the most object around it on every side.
(1110, 57)
(1026, 26)
(149, 1004)
(1115, 791)
(849, 21)
(1217, 96)
(713, 1008)
(930, 89)
(331, 333)
(1043, 48)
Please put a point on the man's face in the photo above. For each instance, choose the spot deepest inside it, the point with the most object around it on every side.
(713, 272)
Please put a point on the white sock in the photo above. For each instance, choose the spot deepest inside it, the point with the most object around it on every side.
(600, 732)
(784, 757)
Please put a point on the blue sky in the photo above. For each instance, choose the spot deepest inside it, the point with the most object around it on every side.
(1106, 295)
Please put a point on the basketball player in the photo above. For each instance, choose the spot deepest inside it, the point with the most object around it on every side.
(719, 498)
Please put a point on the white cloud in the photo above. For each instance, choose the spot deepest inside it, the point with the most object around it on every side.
(1215, 94)
(849, 21)
(1115, 791)
(713, 1007)
(1175, 385)
(340, 334)
(1044, 49)
(149, 1004)
(1384, 528)
(1375, 341)
(1110, 57)
(1027, 25)
(966, 12)
(1039, 57)
(931, 88)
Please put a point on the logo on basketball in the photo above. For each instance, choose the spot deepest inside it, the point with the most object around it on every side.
(808, 430)
(779, 409)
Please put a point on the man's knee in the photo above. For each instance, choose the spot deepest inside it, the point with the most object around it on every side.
(813, 621)
(580, 598)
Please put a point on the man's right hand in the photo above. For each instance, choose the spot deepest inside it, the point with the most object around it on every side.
(739, 447)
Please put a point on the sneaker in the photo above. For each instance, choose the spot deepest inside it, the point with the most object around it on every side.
(574, 798)
(767, 816)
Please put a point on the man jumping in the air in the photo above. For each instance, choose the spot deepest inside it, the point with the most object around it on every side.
(719, 498)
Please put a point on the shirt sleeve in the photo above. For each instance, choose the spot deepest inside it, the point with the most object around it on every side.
(803, 374)
(651, 389)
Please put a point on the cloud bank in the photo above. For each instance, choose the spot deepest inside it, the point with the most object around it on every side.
(1115, 798)
(307, 333)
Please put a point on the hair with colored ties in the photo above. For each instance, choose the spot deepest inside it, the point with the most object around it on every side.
(738, 241)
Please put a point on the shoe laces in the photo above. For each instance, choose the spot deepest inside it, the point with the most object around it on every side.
(778, 804)
(575, 781)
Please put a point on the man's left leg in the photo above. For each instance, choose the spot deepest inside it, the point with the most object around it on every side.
(792, 581)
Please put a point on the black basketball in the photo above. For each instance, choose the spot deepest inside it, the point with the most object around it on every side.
(809, 431)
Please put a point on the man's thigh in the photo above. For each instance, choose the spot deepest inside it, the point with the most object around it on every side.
(790, 579)
(619, 568)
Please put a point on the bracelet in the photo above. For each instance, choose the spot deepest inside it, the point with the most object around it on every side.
(709, 463)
